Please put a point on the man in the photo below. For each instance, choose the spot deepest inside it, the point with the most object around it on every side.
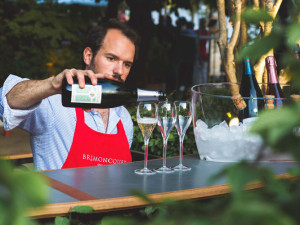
(66, 137)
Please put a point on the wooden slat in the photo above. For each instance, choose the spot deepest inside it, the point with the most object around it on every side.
(17, 156)
(122, 203)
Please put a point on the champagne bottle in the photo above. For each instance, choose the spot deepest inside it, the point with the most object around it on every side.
(295, 92)
(250, 91)
(297, 52)
(273, 87)
(106, 94)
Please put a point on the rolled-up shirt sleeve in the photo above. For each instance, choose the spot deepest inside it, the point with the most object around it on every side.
(13, 117)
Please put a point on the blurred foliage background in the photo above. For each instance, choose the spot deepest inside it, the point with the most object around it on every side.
(40, 40)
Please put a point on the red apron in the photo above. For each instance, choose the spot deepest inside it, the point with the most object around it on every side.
(92, 148)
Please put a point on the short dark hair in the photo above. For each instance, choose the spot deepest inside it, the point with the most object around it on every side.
(96, 35)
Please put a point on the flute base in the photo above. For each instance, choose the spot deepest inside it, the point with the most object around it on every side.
(145, 171)
(164, 169)
(181, 167)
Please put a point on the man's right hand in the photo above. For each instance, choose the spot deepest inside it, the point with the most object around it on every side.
(80, 74)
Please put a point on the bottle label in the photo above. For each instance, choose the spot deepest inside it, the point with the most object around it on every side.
(253, 107)
(88, 94)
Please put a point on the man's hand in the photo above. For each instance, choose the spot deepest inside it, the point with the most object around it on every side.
(80, 74)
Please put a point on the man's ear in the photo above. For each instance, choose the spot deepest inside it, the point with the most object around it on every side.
(87, 56)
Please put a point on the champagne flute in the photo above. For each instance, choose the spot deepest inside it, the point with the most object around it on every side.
(146, 119)
(183, 113)
(166, 121)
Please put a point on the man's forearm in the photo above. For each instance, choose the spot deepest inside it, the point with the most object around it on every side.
(28, 93)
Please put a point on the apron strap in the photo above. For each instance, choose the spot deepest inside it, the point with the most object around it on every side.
(79, 115)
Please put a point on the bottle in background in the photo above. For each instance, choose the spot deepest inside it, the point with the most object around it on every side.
(297, 52)
(295, 90)
(273, 87)
(106, 94)
(250, 91)
(269, 102)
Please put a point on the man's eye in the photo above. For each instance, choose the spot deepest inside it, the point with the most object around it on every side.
(110, 58)
(128, 65)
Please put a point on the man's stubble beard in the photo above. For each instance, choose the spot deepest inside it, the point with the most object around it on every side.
(92, 68)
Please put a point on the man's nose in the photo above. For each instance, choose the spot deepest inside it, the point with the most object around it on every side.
(118, 68)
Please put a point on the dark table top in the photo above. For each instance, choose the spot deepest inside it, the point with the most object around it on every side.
(108, 188)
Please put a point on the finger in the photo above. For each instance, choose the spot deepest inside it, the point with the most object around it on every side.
(92, 76)
(69, 76)
(80, 74)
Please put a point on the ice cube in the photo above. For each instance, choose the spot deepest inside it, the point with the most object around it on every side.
(236, 129)
(223, 143)
(201, 131)
(201, 124)
(224, 124)
(220, 132)
(248, 121)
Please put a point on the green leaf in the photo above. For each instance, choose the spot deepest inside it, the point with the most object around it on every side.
(274, 125)
(61, 221)
(34, 189)
(252, 211)
(260, 47)
(150, 210)
(82, 209)
(109, 220)
(239, 175)
(294, 172)
(293, 34)
(256, 16)
(141, 195)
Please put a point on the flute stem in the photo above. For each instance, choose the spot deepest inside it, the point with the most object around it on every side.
(165, 152)
(146, 153)
(181, 138)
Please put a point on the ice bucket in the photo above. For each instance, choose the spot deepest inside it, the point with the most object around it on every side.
(219, 134)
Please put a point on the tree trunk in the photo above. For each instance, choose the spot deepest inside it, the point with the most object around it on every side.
(227, 49)
(242, 41)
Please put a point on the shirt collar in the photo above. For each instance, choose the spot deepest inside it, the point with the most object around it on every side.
(113, 120)
(93, 112)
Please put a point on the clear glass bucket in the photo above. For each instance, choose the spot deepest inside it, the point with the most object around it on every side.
(219, 134)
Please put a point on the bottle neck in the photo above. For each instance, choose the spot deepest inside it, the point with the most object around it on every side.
(272, 74)
(146, 95)
(248, 69)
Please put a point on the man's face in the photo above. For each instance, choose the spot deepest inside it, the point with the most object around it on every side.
(115, 56)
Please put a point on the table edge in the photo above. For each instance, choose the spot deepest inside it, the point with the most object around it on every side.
(17, 156)
(129, 202)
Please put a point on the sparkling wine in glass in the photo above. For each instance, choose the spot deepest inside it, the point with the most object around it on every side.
(166, 121)
(183, 111)
(146, 119)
